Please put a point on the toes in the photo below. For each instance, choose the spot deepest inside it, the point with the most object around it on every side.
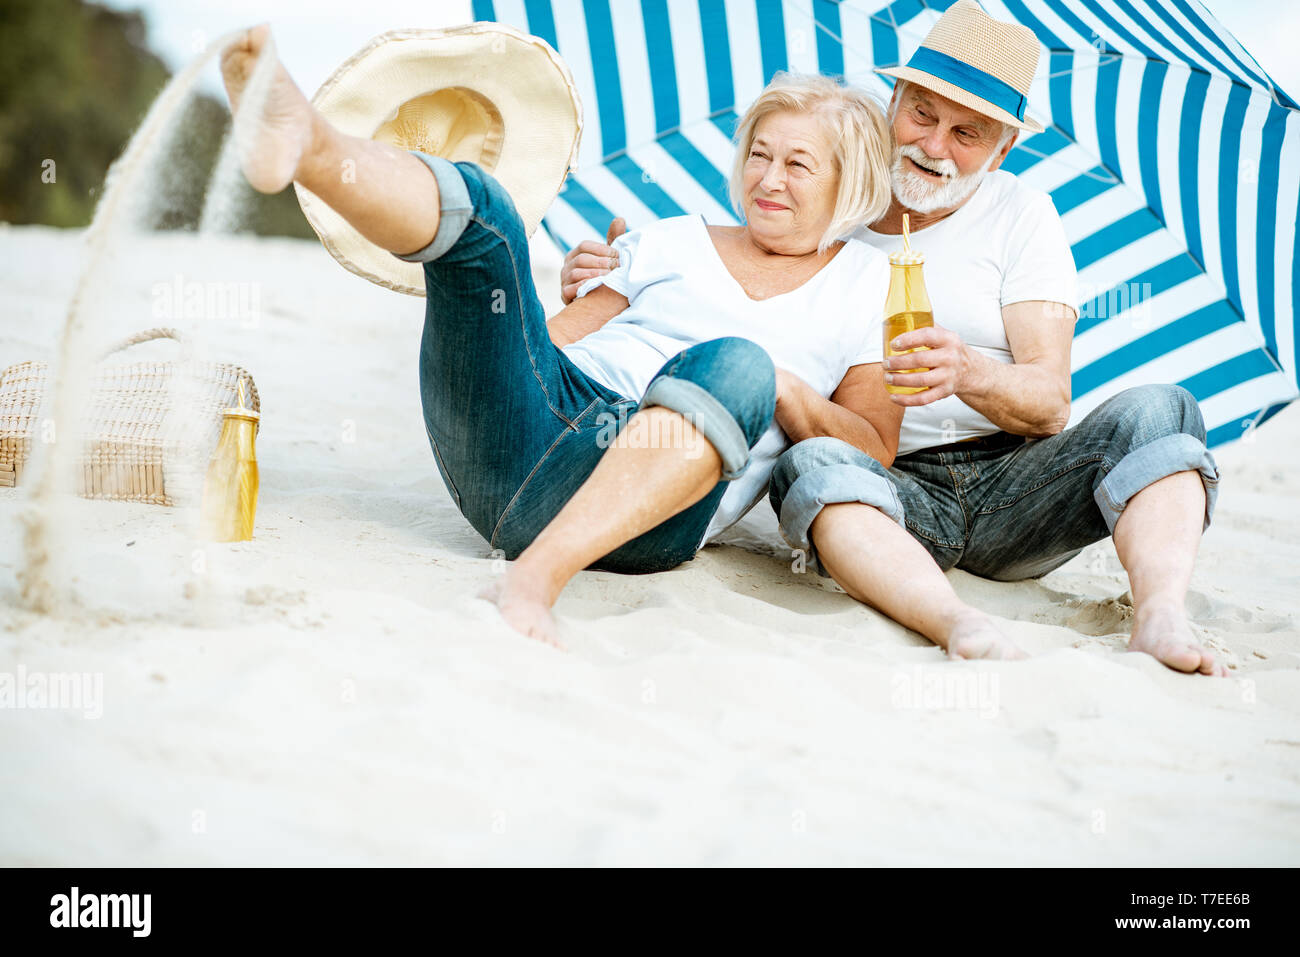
(962, 649)
(257, 36)
(1211, 665)
(545, 633)
(1186, 659)
(1189, 658)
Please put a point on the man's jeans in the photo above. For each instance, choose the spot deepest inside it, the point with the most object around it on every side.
(999, 507)
(516, 428)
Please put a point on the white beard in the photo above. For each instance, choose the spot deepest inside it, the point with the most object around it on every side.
(922, 194)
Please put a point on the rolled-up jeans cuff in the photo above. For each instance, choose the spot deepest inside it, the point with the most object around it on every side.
(454, 209)
(1150, 463)
(832, 485)
(709, 416)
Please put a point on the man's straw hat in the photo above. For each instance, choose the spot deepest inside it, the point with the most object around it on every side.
(483, 93)
(977, 61)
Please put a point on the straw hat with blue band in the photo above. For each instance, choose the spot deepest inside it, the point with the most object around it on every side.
(977, 61)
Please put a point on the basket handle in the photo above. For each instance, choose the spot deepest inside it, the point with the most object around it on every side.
(145, 336)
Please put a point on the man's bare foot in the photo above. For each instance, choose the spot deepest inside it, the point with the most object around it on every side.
(272, 119)
(1162, 631)
(522, 603)
(975, 636)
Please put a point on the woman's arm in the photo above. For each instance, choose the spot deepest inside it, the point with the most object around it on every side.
(859, 412)
(584, 316)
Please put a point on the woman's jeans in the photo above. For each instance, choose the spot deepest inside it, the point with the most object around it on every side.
(516, 428)
(1001, 507)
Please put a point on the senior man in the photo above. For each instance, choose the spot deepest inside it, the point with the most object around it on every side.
(987, 477)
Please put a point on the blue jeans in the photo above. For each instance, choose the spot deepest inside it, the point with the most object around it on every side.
(1001, 507)
(515, 426)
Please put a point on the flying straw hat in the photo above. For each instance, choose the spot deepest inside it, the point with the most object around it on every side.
(483, 93)
(977, 61)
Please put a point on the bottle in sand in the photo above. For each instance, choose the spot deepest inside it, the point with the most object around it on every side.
(230, 488)
(907, 305)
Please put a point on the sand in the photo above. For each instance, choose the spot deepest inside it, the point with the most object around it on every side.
(333, 693)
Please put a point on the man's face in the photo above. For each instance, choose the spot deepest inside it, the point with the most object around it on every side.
(943, 152)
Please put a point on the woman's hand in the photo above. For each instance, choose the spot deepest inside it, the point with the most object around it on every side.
(859, 412)
(589, 259)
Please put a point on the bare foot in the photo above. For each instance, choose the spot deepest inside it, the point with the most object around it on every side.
(272, 119)
(975, 636)
(523, 605)
(1163, 633)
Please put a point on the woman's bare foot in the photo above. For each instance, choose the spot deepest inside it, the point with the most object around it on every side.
(1162, 631)
(523, 603)
(272, 119)
(974, 635)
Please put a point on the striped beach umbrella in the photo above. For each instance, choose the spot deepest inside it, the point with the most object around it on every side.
(1172, 157)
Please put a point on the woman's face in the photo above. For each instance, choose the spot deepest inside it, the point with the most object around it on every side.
(790, 182)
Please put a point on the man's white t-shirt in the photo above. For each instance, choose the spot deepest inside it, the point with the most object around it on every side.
(680, 294)
(1005, 245)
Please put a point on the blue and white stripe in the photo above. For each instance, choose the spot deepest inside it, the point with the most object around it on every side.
(1172, 157)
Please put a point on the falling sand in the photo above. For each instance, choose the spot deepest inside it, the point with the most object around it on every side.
(130, 195)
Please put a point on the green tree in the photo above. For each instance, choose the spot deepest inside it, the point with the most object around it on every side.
(76, 79)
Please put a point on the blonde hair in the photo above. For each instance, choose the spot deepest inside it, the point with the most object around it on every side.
(863, 145)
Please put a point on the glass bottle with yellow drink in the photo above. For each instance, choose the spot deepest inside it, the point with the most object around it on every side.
(907, 305)
(230, 490)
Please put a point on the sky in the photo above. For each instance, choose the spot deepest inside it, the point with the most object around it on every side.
(315, 36)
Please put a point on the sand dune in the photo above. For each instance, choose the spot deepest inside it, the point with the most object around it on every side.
(332, 693)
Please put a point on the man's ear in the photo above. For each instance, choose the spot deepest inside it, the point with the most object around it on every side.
(1006, 148)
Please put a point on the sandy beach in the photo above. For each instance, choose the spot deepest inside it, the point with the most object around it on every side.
(332, 692)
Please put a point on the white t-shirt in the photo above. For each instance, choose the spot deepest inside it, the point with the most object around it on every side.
(680, 294)
(1005, 245)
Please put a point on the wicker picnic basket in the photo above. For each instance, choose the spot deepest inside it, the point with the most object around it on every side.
(147, 429)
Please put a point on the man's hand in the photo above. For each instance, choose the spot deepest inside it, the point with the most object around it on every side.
(948, 359)
(589, 259)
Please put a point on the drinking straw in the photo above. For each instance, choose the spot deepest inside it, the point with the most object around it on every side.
(907, 239)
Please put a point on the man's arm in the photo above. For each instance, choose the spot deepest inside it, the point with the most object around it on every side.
(1030, 396)
(584, 316)
(589, 259)
(859, 412)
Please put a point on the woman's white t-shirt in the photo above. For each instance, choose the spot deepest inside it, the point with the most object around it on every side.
(680, 294)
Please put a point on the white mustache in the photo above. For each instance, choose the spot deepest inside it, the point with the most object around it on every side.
(945, 167)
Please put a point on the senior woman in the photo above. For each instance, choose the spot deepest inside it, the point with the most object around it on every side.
(646, 416)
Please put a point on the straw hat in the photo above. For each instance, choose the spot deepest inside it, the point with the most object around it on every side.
(977, 61)
(483, 93)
